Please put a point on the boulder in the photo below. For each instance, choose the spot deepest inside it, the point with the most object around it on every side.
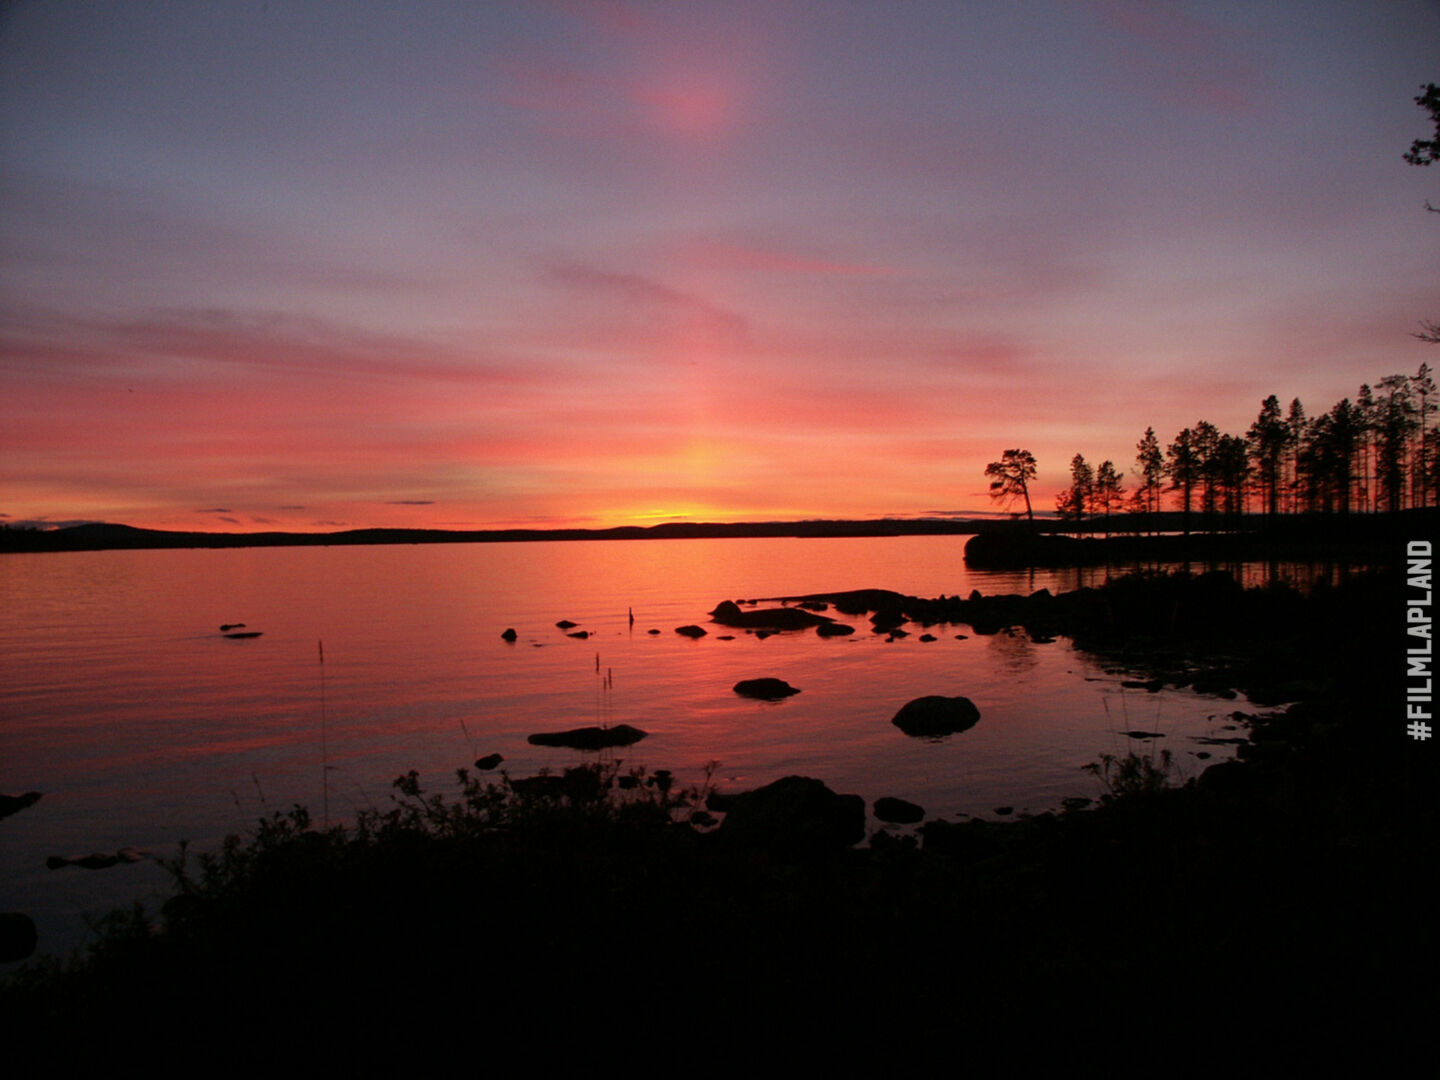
(834, 629)
(509, 634)
(488, 762)
(691, 631)
(935, 716)
(798, 815)
(898, 811)
(17, 936)
(766, 689)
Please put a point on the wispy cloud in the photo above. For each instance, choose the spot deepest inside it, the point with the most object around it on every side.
(720, 255)
(1185, 59)
(646, 298)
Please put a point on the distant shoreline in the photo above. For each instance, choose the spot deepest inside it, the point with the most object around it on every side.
(1043, 543)
(122, 537)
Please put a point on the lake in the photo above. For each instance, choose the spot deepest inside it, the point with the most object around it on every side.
(122, 702)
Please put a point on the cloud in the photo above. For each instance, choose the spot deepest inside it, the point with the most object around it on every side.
(1181, 58)
(748, 257)
(49, 523)
(621, 73)
(630, 296)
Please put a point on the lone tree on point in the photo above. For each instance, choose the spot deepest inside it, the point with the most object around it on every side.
(1011, 478)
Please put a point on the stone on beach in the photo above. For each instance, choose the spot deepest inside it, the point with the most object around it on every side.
(898, 811)
(796, 814)
(17, 936)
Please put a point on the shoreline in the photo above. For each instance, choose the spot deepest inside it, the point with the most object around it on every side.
(1273, 876)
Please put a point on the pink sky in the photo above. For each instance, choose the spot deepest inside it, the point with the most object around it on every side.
(317, 265)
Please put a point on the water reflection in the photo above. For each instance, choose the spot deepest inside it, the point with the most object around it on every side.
(1011, 651)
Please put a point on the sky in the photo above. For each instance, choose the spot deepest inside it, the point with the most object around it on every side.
(320, 264)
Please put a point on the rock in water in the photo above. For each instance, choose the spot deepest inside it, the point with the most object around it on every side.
(934, 716)
(691, 631)
(489, 761)
(766, 689)
(13, 804)
(590, 738)
(509, 634)
(728, 613)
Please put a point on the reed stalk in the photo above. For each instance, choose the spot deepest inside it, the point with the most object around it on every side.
(324, 747)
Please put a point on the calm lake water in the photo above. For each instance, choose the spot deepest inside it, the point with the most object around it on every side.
(142, 725)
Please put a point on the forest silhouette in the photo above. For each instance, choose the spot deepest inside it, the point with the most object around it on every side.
(1374, 455)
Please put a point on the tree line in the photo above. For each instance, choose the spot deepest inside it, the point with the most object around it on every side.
(1378, 453)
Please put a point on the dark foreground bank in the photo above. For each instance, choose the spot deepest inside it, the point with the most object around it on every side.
(603, 909)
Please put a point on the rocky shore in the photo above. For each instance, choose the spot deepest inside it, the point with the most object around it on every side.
(615, 905)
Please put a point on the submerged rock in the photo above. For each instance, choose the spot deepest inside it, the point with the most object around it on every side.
(767, 689)
(934, 716)
(589, 738)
